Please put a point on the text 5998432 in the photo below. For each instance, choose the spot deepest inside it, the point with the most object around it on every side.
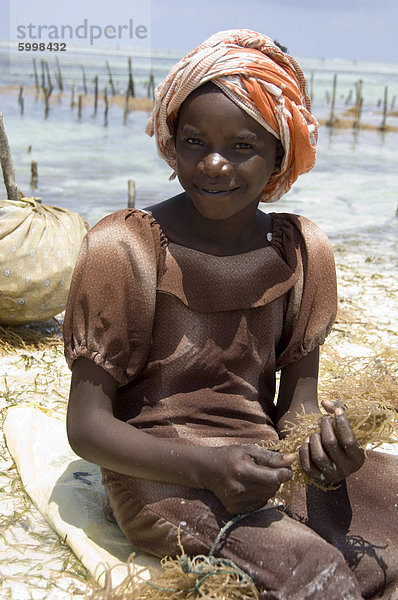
(42, 46)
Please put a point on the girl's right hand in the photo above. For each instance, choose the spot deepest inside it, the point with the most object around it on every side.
(245, 477)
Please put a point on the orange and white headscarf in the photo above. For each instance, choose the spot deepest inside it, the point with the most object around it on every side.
(259, 77)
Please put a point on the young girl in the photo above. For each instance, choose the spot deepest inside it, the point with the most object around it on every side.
(179, 317)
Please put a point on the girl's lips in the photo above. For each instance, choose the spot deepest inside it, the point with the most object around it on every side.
(214, 191)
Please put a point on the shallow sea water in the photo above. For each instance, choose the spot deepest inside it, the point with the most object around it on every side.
(352, 192)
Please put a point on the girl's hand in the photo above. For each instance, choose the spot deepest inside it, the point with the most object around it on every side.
(245, 477)
(334, 453)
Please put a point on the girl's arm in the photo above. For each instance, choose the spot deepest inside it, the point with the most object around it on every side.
(97, 436)
(297, 390)
(332, 454)
(242, 477)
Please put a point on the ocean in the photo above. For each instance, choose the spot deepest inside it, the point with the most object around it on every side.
(352, 192)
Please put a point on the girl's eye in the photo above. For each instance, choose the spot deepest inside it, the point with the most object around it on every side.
(243, 146)
(193, 141)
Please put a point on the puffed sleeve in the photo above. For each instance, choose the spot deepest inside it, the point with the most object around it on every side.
(111, 303)
(312, 302)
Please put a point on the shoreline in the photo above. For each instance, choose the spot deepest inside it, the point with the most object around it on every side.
(365, 332)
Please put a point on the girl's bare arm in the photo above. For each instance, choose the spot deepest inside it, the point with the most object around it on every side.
(242, 477)
(297, 390)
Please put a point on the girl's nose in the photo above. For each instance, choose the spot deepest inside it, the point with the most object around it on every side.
(215, 164)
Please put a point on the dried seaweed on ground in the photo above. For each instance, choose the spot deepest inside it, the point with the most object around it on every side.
(37, 336)
(183, 578)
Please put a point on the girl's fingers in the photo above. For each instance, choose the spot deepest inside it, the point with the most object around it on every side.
(264, 476)
(318, 455)
(346, 436)
(331, 442)
(317, 464)
(331, 406)
(334, 453)
(269, 458)
(306, 463)
(339, 439)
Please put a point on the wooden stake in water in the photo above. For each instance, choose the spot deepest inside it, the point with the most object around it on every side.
(84, 80)
(59, 75)
(357, 122)
(383, 125)
(21, 100)
(33, 174)
(110, 79)
(358, 107)
(349, 97)
(332, 118)
(47, 94)
(106, 107)
(95, 94)
(126, 106)
(50, 85)
(394, 99)
(130, 87)
(72, 97)
(7, 165)
(79, 109)
(131, 193)
(151, 86)
(35, 75)
(43, 75)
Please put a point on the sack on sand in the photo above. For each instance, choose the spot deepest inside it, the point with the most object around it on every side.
(38, 250)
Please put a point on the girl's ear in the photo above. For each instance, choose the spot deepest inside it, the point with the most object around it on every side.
(172, 123)
(279, 157)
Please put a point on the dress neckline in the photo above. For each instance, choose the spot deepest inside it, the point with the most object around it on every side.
(170, 242)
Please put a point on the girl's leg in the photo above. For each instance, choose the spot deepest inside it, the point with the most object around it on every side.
(283, 556)
(360, 518)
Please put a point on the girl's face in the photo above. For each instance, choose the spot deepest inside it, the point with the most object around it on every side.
(224, 157)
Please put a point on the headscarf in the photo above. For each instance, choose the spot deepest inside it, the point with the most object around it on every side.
(261, 79)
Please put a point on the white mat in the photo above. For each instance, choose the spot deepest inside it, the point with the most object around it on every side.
(67, 491)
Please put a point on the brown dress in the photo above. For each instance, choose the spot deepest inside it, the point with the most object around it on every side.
(194, 341)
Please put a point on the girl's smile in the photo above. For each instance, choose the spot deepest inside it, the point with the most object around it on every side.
(224, 157)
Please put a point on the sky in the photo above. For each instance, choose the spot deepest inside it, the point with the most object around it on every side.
(351, 29)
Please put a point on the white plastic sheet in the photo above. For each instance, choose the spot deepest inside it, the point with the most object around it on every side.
(67, 491)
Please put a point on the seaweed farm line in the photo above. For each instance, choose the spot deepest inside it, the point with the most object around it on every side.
(122, 72)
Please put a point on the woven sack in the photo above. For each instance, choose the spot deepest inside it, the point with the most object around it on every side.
(38, 250)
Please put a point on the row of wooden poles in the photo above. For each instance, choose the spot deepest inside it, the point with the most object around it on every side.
(358, 104)
(44, 84)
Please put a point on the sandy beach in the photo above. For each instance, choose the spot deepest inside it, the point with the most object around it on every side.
(36, 563)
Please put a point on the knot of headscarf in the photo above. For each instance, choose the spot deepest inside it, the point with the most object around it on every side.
(260, 78)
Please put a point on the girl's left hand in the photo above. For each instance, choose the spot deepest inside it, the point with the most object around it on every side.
(334, 453)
